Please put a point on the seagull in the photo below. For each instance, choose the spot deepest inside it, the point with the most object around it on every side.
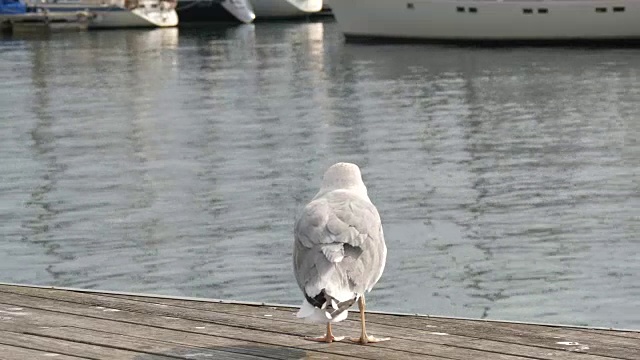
(339, 251)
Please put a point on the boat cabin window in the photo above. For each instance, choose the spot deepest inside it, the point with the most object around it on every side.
(543, 11)
(473, 10)
(618, 9)
(601, 10)
(527, 11)
(460, 9)
(409, 5)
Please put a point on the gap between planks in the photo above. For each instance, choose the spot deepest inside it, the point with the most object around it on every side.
(60, 295)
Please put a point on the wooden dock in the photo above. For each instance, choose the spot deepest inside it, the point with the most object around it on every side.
(39, 322)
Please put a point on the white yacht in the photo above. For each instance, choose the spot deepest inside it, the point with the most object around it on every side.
(490, 20)
(285, 8)
(117, 13)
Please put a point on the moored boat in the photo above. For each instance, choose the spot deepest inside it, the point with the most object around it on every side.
(489, 20)
(265, 9)
(117, 13)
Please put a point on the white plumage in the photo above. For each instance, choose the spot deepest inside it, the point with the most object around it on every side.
(339, 249)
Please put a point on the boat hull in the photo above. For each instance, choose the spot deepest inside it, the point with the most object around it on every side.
(114, 17)
(166, 18)
(285, 8)
(489, 20)
(212, 11)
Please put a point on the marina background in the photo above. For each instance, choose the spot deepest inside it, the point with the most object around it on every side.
(173, 161)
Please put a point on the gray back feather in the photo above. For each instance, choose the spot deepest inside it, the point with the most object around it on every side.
(339, 242)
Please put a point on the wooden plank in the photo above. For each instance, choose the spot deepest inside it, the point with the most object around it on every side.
(57, 326)
(536, 335)
(8, 352)
(428, 333)
(617, 333)
(44, 322)
(140, 296)
(464, 352)
(259, 345)
(552, 330)
(546, 339)
(148, 346)
(265, 351)
(267, 327)
(435, 348)
(412, 341)
(71, 348)
(154, 316)
(253, 309)
(260, 338)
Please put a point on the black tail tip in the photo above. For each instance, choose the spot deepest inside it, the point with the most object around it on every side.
(318, 300)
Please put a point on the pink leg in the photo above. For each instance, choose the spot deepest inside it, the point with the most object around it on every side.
(364, 338)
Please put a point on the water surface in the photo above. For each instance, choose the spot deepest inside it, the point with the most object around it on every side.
(174, 161)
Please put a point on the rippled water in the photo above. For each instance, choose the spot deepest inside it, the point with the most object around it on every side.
(174, 161)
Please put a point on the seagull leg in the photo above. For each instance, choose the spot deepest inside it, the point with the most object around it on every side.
(364, 338)
(328, 337)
